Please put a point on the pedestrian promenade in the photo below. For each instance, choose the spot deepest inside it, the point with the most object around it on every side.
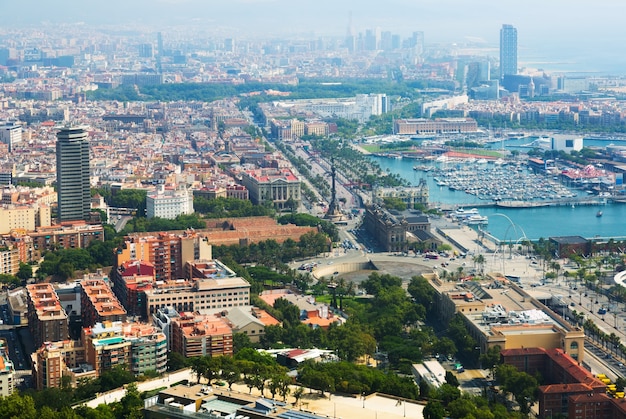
(374, 406)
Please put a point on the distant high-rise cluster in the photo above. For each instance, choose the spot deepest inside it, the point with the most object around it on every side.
(508, 50)
(74, 197)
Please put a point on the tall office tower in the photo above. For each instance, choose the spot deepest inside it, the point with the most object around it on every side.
(372, 39)
(417, 42)
(229, 45)
(508, 50)
(73, 174)
(159, 66)
(146, 50)
(350, 42)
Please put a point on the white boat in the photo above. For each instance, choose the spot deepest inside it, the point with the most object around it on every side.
(465, 213)
(476, 220)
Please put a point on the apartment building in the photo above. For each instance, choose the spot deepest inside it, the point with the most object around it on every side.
(167, 252)
(148, 348)
(25, 217)
(47, 321)
(9, 259)
(98, 303)
(7, 371)
(54, 360)
(162, 320)
(70, 235)
(130, 283)
(106, 347)
(201, 335)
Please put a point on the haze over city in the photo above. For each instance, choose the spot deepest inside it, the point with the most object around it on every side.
(575, 35)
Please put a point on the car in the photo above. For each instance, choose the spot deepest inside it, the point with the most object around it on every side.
(572, 304)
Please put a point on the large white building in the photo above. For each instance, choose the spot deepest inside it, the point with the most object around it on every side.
(272, 185)
(10, 134)
(169, 203)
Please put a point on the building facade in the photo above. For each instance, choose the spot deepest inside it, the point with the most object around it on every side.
(98, 303)
(47, 321)
(7, 371)
(434, 126)
(272, 185)
(11, 134)
(169, 204)
(508, 50)
(200, 335)
(72, 153)
(167, 252)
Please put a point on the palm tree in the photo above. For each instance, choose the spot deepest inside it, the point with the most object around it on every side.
(297, 395)
(480, 261)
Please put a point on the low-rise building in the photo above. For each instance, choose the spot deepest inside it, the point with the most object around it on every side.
(169, 203)
(570, 390)
(398, 231)
(434, 126)
(409, 195)
(250, 321)
(506, 316)
(272, 185)
(68, 235)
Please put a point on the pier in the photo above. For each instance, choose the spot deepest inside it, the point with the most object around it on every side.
(575, 201)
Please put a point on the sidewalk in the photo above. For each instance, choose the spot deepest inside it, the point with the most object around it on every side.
(332, 406)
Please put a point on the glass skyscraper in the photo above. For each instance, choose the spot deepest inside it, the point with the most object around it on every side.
(74, 197)
(508, 50)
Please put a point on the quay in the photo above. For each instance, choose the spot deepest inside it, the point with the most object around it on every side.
(576, 201)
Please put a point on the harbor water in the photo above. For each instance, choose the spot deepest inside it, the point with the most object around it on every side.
(512, 224)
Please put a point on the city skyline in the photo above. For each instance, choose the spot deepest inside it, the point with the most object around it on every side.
(555, 34)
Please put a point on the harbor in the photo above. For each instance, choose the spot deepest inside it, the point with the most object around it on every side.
(572, 212)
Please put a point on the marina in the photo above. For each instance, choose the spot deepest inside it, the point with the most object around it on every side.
(563, 212)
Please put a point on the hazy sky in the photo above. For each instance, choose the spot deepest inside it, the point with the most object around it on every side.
(591, 30)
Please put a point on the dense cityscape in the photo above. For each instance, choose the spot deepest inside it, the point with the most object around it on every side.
(202, 223)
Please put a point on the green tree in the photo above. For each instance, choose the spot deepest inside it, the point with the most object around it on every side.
(131, 405)
(18, 407)
(175, 361)
(434, 410)
(25, 272)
